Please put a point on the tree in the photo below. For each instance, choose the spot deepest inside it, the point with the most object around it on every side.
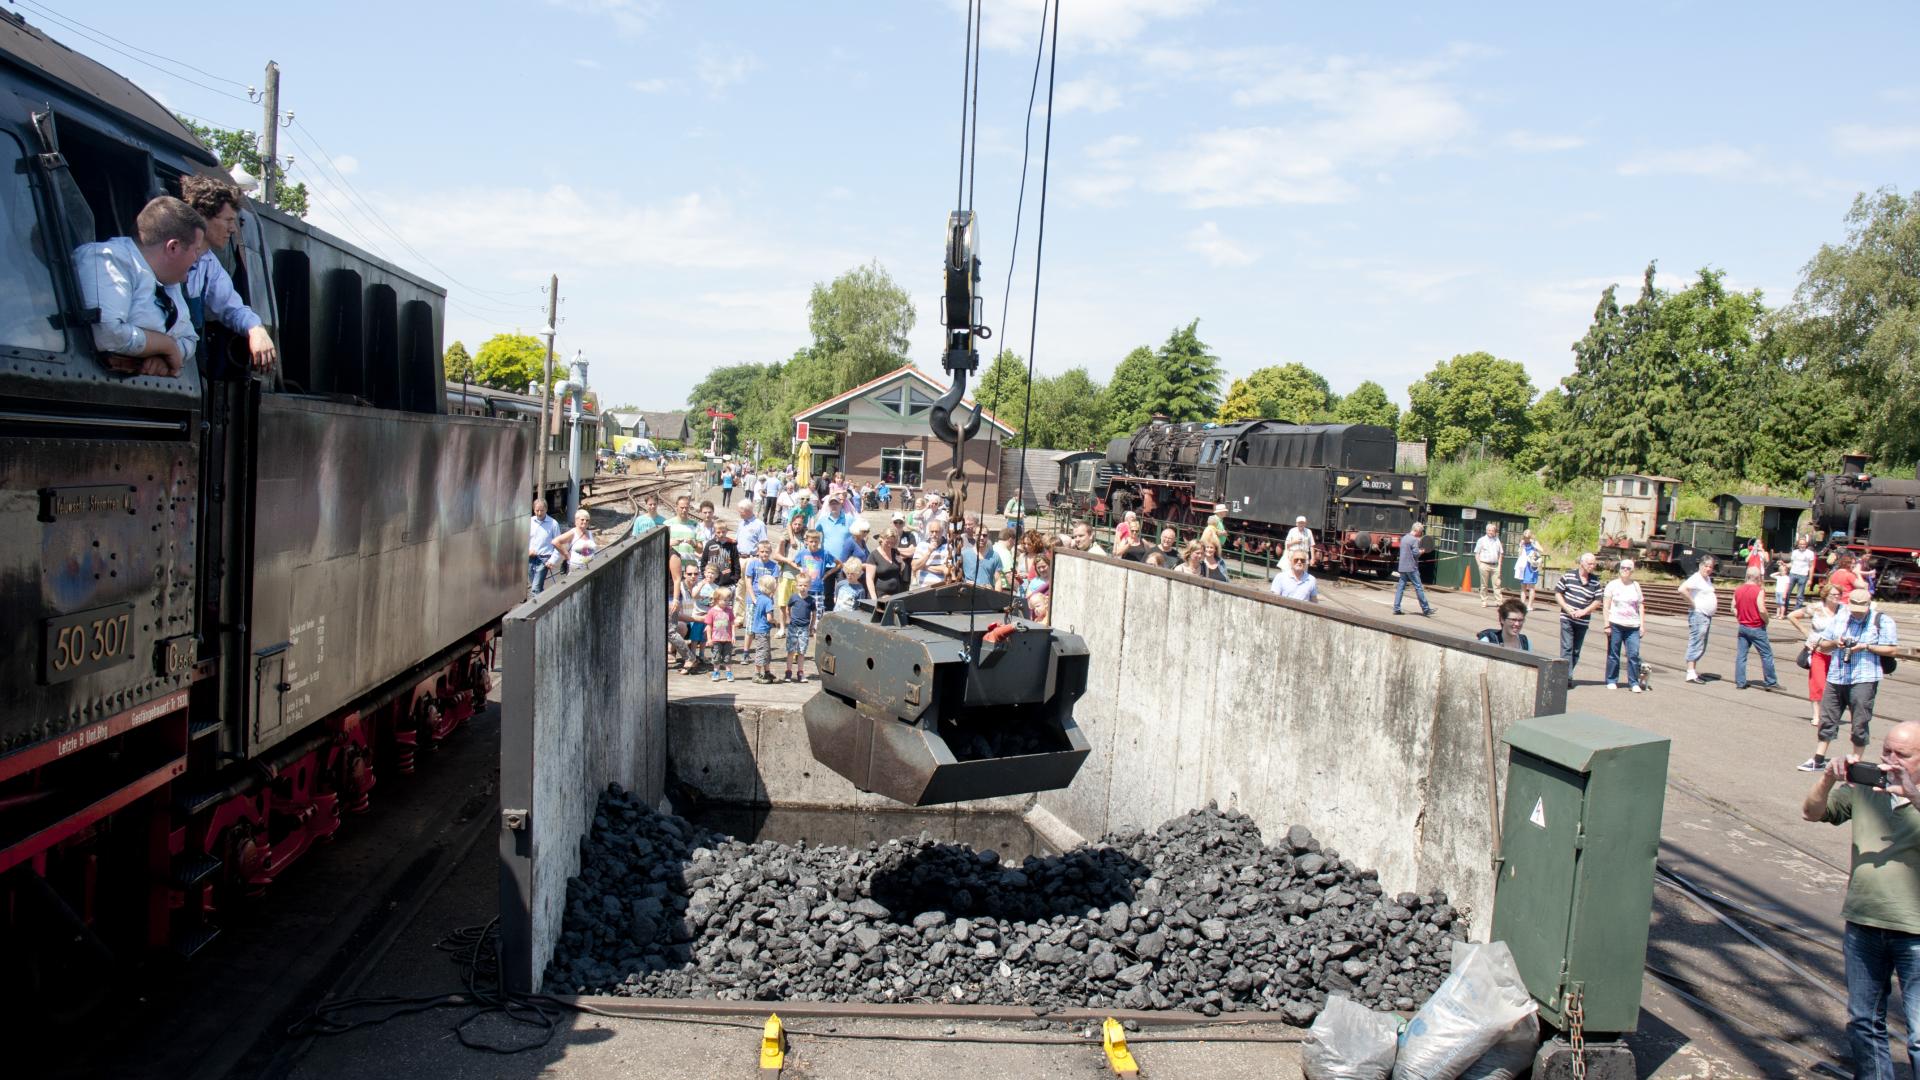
(1368, 404)
(457, 364)
(1473, 400)
(1003, 391)
(1069, 412)
(860, 322)
(1290, 392)
(510, 362)
(1856, 318)
(242, 148)
(1667, 384)
(1188, 383)
(1132, 393)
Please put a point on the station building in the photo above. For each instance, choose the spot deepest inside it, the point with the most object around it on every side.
(878, 431)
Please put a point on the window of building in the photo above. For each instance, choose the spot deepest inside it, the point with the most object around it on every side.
(28, 302)
(902, 466)
(905, 399)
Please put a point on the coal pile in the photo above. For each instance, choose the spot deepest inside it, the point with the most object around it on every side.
(1197, 914)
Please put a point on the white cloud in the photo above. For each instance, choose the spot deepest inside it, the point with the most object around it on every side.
(1101, 27)
(347, 164)
(1208, 242)
(629, 17)
(1100, 189)
(562, 225)
(721, 71)
(1113, 146)
(1093, 94)
(584, 62)
(1869, 139)
(1716, 159)
(650, 86)
(1534, 142)
(1322, 121)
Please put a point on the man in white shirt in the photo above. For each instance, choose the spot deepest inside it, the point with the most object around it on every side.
(210, 288)
(1487, 552)
(541, 554)
(1799, 572)
(1698, 590)
(144, 326)
(1301, 536)
(770, 486)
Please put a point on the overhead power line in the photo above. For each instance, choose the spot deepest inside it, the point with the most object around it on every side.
(108, 41)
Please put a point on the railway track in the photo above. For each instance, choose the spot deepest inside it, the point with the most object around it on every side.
(619, 490)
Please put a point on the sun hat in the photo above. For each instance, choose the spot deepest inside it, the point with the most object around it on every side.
(1860, 601)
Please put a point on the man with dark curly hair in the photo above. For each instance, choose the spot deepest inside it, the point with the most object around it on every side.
(209, 288)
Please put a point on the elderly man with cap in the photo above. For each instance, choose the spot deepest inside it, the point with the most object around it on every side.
(1855, 646)
(1300, 536)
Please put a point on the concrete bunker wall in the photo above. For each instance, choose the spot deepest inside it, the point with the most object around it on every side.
(1371, 732)
(585, 706)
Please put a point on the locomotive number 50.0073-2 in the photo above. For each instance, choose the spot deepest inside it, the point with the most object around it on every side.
(87, 641)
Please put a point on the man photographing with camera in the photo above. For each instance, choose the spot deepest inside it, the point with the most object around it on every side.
(1882, 909)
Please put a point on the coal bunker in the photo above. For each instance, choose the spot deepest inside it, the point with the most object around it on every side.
(1200, 914)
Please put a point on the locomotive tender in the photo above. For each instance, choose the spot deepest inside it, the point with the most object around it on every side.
(1259, 475)
(230, 602)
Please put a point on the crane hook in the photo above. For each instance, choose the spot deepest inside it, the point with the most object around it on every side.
(940, 416)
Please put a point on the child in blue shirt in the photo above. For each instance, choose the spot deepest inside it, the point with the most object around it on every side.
(760, 625)
(760, 565)
(800, 611)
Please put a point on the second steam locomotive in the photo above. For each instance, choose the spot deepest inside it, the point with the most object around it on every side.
(1260, 476)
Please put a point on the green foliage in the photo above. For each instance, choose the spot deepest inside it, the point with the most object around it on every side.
(860, 322)
(1188, 383)
(1290, 392)
(1002, 391)
(1368, 404)
(510, 362)
(1856, 319)
(457, 363)
(1069, 412)
(668, 444)
(1566, 517)
(242, 148)
(1475, 400)
(1133, 393)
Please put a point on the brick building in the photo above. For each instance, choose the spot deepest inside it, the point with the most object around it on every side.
(880, 431)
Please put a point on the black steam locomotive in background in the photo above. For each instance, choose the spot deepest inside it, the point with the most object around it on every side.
(227, 603)
(1871, 514)
(1260, 475)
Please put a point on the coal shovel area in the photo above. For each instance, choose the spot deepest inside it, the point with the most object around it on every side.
(1198, 914)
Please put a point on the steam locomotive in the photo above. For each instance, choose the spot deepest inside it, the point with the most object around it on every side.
(227, 603)
(1875, 515)
(1260, 475)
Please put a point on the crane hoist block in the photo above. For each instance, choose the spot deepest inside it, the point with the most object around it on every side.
(937, 696)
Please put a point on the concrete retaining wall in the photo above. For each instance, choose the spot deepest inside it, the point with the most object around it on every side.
(584, 706)
(1370, 731)
(756, 755)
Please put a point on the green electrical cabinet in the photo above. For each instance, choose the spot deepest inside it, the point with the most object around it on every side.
(1579, 839)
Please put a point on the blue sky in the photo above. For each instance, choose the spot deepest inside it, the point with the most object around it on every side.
(1365, 189)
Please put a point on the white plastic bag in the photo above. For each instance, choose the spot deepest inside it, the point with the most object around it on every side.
(1479, 1003)
(1511, 1056)
(1349, 1042)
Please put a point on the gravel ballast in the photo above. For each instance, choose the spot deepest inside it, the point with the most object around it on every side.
(1197, 914)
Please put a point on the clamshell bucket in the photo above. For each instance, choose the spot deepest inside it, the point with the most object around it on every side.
(937, 697)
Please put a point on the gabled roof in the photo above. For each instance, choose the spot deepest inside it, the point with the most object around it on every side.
(1646, 476)
(898, 374)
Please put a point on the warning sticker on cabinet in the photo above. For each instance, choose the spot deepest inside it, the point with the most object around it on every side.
(1539, 815)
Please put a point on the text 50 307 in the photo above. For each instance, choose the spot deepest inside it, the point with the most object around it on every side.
(85, 641)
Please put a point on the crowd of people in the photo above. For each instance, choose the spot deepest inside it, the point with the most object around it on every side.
(800, 551)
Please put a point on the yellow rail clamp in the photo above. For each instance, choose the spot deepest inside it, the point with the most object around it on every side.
(1113, 1039)
(773, 1046)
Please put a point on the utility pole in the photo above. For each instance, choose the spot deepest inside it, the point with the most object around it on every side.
(270, 136)
(546, 386)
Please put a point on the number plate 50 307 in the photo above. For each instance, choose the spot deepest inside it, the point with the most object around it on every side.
(86, 641)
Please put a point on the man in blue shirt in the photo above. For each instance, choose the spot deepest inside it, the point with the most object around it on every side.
(541, 556)
(1854, 646)
(884, 493)
(752, 530)
(1410, 569)
(979, 563)
(651, 517)
(836, 528)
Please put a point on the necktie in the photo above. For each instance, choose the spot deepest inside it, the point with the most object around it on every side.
(167, 307)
